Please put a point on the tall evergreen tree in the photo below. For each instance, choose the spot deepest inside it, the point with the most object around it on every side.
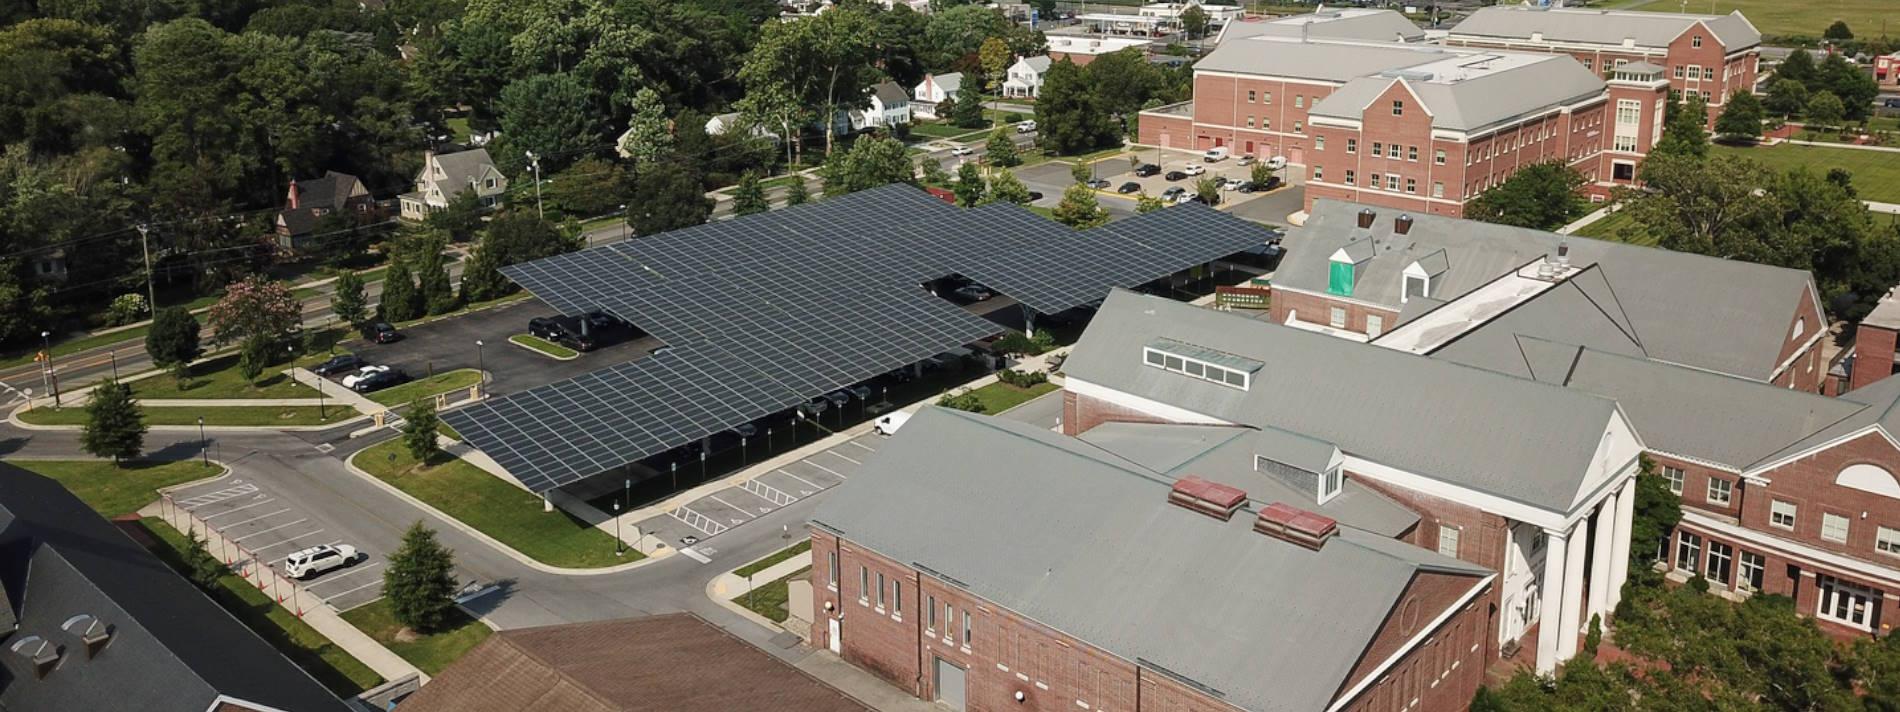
(668, 196)
(400, 300)
(967, 112)
(253, 356)
(1068, 115)
(1741, 118)
(419, 430)
(432, 282)
(749, 198)
(796, 192)
(1001, 149)
(200, 566)
(1682, 128)
(969, 186)
(420, 580)
(115, 427)
(173, 341)
(347, 301)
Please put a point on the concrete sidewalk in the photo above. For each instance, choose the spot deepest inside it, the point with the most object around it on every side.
(336, 392)
(730, 584)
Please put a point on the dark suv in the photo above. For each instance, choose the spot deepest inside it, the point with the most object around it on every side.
(1147, 169)
(381, 333)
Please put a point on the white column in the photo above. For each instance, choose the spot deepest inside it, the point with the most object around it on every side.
(1550, 607)
(1573, 600)
(1620, 550)
(1600, 555)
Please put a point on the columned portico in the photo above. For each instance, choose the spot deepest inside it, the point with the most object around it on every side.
(1550, 609)
(1569, 602)
(1602, 551)
(1573, 598)
(1620, 547)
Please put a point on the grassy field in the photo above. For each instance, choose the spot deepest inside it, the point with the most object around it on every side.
(498, 509)
(1782, 17)
(456, 380)
(339, 671)
(936, 130)
(999, 397)
(769, 599)
(544, 346)
(1876, 173)
(219, 378)
(1617, 226)
(431, 652)
(767, 562)
(228, 415)
(115, 491)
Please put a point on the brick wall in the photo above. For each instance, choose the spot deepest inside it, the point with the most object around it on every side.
(1164, 130)
(1808, 483)
(1873, 355)
(1082, 413)
(1784, 575)
(1447, 667)
(1695, 484)
(1316, 309)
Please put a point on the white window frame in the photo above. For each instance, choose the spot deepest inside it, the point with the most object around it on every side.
(1831, 522)
(1887, 541)
(1448, 537)
(1750, 567)
(1375, 325)
(1727, 559)
(1845, 603)
(1689, 551)
(1780, 510)
(1336, 317)
(1675, 476)
(1721, 492)
(1195, 368)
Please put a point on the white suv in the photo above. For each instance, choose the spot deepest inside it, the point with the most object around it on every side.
(309, 563)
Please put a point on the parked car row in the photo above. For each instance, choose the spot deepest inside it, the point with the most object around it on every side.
(359, 375)
(577, 333)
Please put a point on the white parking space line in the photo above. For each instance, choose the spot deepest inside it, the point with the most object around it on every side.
(286, 541)
(692, 553)
(841, 456)
(776, 496)
(862, 445)
(814, 487)
(334, 578)
(267, 531)
(327, 599)
(253, 519)
(266, 500)
(733, 507)
(697, 521)
(215, 497)
(827, 469)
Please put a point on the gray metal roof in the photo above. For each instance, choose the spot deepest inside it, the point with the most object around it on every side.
(1682, 308)
(1881, 406)
(890, 93)
(1477, 101)
(463, 168)
(1075, 538)
(1431, 417)
(1323, 61)
(1365, 24)
(1609, 27)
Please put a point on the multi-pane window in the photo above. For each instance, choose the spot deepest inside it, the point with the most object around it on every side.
(1250, 96)
(1720, 491)
(1374, 183)
(1337, 317)
(1781, 514)
(1318, 173)
(1249, 122)
(1448, 541)
(1352, 145)
(1392, 183)
(1299, 101)
(1688, 552)
(1349, 177)
(1674, 475)
(1834, 528)
(1319, 143)
(1438, 189)
(1887, 540)
(1266, 97)
(1721, 557)
(1196, 368)
(1695, 41)
(930, 612)
(1678, 71)
(1750, 570)
(1299, 126)
(1398, 108)
(1411, 185)
(1411, 153)
(1378, 149)
(1708, 72)
(1439, 157)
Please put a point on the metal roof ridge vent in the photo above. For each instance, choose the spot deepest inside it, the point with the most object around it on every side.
(92, 632)
(1366, 218)
(1210, 498)
(1289, 523)
(1402, 224)
(42, 652)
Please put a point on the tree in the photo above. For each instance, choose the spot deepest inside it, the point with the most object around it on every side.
(515, 236)
(1653, 516)
(1194, 21)
(1855, 88)
(1145, 203)
(115, 427)
(1741, 119)
(591, 187)
(871, 162)
(933, 172)
(966, 109)
(555, 115)
(1068, 116)
(648, 137)
(823, 63)
(400, 300)
(253, 357)
(1207, 190)
(200, 566)
(420, 580)
(173, 342)
(461, 219)
(1542, 196)
(995, 58)
(1078, 208)
(1001, 149)
(969, 186)
(795, 192)
(1786, 97)
(1798, 66)
(1837, 32)
(749, 198)
(1825, 110)
(432, 282)
(347, 301)
(1260, 174)
(1005, 187)
(968, 402)
(1682, 128)
(418, 430)
(668, 195)
(254, 307)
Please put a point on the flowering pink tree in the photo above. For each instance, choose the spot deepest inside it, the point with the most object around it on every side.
(255, 307)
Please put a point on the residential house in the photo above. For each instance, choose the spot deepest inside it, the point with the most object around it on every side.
(888, 106)
(1024, 78)
(307, 201)
(92, 621)
(933, 90)
(446, 175)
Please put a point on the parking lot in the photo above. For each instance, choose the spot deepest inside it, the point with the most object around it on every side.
(450, 344)
(266, 528)
(695, 523)
(1171, 161)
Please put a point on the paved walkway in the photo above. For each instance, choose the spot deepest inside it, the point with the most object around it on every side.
(336, 392)
(1595, 215)
(1854, 146)
(1879, 207)
(730, 584)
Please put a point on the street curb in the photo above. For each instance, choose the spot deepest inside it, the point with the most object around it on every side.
(539, 352)
(744, 612)
(493, 543)
(13, 419)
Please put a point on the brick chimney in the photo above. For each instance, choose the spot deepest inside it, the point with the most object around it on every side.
(1210, 498)
(1289, 523)
(1873, 355)
(1402, 224)
(293, 195)
(1366, 217)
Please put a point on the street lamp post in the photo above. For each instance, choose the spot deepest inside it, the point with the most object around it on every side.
(536, 162)
(46, 365)
(481, 368)
(620, 548)
(204, 444)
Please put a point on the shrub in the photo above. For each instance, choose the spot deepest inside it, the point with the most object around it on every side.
(125, 309)
(966, 402)
(1022, 379)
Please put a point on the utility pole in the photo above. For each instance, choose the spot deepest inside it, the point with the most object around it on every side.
(151, 291)
(536, 162)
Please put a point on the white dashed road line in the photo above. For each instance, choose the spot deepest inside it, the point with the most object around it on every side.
(827, 469)
(841, 456)
(267, 531)
(210, 517)
(253, 519)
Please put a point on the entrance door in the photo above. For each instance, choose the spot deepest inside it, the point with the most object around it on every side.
(1249, 148)
(835, 636)
(1218, 142)
(949, 685)
(1296, 156)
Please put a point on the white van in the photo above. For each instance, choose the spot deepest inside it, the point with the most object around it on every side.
(1215, 154)
(889, 424)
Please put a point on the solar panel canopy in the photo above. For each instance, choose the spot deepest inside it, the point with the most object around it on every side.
(766, 311)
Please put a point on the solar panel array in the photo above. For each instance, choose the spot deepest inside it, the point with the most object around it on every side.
(767, 311)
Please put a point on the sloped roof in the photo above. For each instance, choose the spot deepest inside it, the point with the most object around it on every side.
(1880, 406)
(1366, 24)
(1323, 61)
(1610, 27)
(890, 94)
(1460, 99)
(462, 168)
(1039, 63)
(1427, 416)
(949, 83)
(993, 505)
(332, 190)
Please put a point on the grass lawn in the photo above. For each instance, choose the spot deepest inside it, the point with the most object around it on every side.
(457, 380)
(1876, 173)
(431, 652)
(477, 306)
(339, 671)
(544, 346)
(500, 510)
(769, 599)
(114, 491)
(459, 127)
(999, 397)
(945, 130)
(71, 346)
(1039, 210)
(219, 378)
(767, 562)
(259, 415)
(1781, 17)
(781, 181)
(1618, 226)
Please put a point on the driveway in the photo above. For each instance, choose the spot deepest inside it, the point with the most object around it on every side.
(695, 524)
(450, 344)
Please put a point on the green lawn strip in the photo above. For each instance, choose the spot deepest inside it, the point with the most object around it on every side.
(474, 307)
(459, 127)
(496, 508)
(769, 599)
(1618, 227)
(1780, 17)
(944, 130)
(999, 397)
(1039, 210)
(224, 415)
(333, 666)
(219, 378)
(431, 653)
(544, 346)
(457, 380)
(115, 491)
(1876, 173)
(769, 561)
(445, 431)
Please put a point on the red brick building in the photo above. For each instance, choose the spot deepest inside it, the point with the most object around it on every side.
(1712, 55)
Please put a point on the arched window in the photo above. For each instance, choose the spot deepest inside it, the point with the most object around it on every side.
(1869, 478)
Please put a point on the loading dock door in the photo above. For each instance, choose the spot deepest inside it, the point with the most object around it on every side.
(949, 685)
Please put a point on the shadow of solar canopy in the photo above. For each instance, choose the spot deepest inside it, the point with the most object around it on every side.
(766, 311)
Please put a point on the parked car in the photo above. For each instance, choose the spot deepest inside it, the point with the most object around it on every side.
(1194, 169)
(339, 364)
(1129, 187)
(1185, 198)
(889, 424)
(1245, 160)
(962, 151)
(1035, 195)
(1026, 126)
(1099, 184)
(378, 380)
(1892, 102)
(1213, 199)
(815, 406)
(362, 373)
(1173, 194)
(745, 430)
(576, 340)
(1215, 154)
(861, 392)
(381, 333)
(1276, 162)
(973, 293)
(601, 320)
(1232, 184)
(1272, 182)
(1174, 176)
(1147, 169)
(542, 327)
(306, 564)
